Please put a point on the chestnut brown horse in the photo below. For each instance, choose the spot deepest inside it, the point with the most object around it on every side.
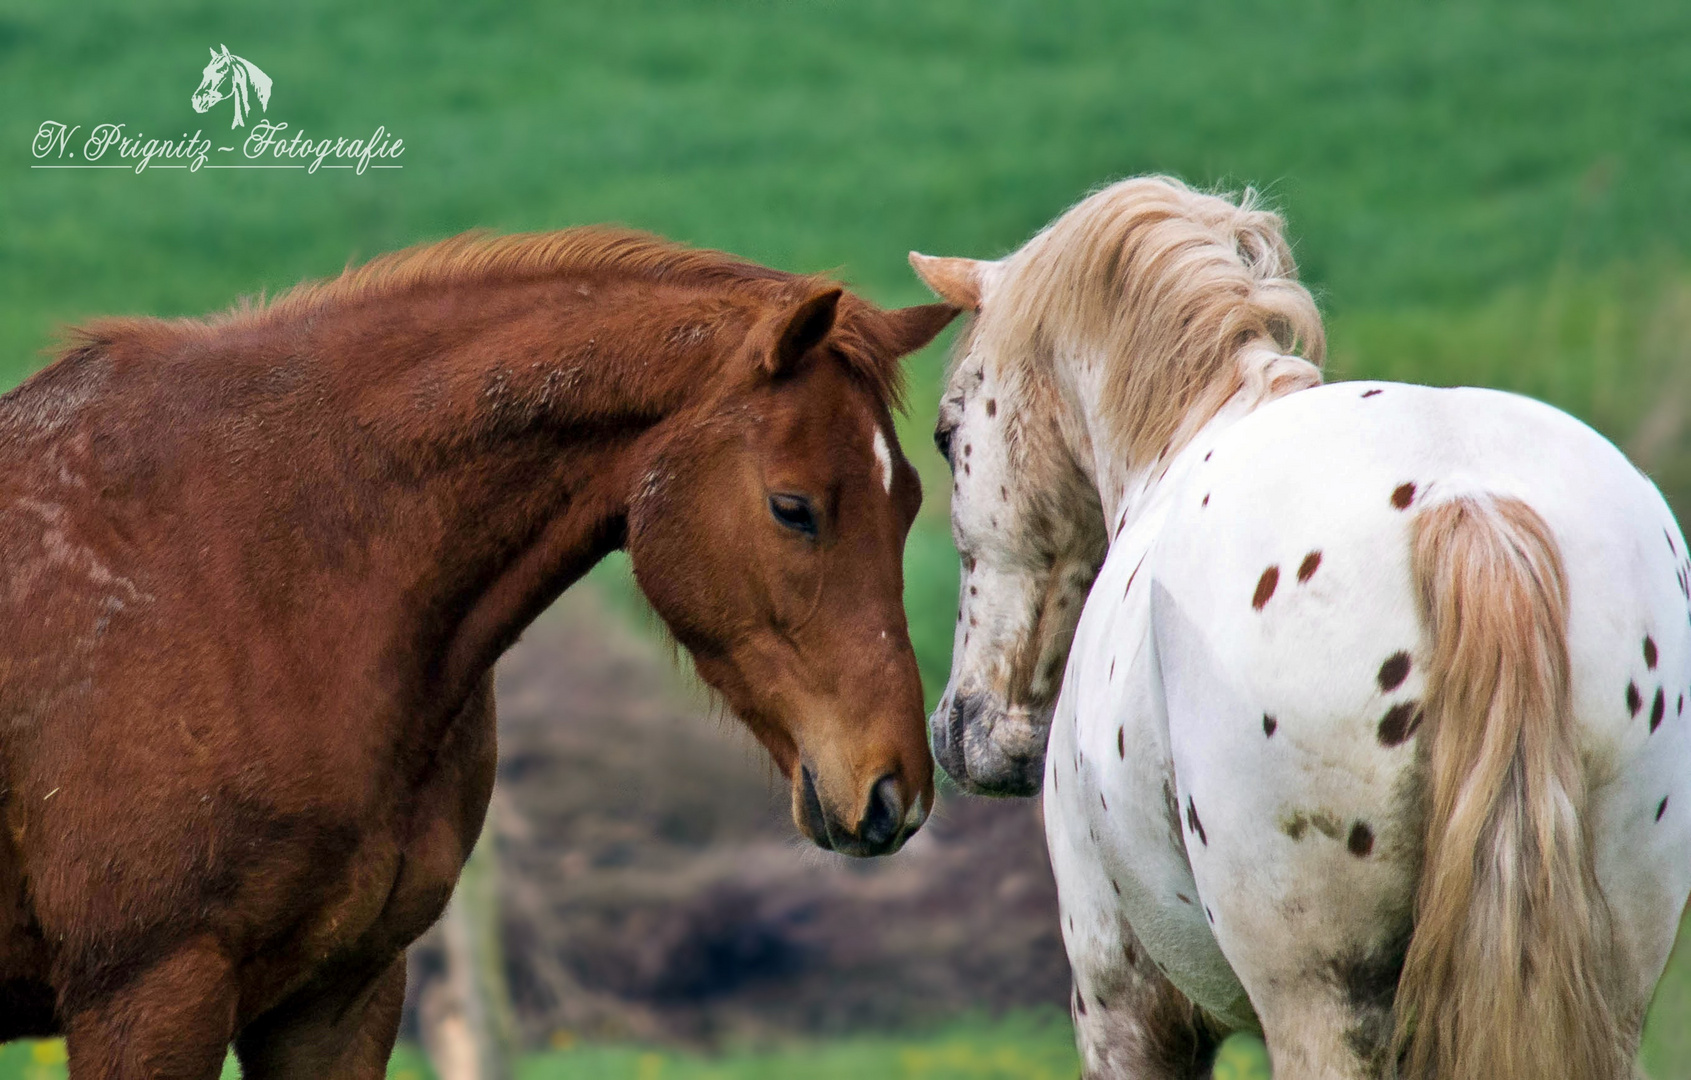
(255, 571)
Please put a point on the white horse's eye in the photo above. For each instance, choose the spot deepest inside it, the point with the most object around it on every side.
(942, 440)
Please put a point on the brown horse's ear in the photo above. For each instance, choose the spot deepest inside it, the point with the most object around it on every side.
(914, 327)
(956, 281)
(796, 330)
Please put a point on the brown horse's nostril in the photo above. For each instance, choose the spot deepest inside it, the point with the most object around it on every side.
(884, 818)
(879, 830)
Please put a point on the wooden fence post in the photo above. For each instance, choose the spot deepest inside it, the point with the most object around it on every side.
(468, 1028)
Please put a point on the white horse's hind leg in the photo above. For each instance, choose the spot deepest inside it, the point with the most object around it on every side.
(1303, 833)
(1131, 1022)
(1310, 1032)
(1319, 953)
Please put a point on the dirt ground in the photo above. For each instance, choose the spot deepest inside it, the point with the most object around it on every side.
(654, 886)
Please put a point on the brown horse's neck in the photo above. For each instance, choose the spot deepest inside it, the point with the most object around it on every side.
(547, 409)
(545, 402)
(419, 474)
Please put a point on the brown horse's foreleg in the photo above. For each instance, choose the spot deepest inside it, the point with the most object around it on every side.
(331, 1035)
(172, 1022)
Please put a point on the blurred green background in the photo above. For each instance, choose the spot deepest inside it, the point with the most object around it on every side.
(1479, 192)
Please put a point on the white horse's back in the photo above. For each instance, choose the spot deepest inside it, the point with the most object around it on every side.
(1341, 471)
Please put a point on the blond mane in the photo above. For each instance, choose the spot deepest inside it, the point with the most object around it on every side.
(1184, 298)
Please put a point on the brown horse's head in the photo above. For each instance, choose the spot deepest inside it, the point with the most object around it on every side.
(768, 531)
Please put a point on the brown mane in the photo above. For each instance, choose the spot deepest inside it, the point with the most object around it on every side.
(482, 259)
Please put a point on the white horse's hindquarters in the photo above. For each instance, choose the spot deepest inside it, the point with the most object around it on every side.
(1111, 822)
(1265, 627)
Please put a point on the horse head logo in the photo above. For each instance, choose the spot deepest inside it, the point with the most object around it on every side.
(229, 76)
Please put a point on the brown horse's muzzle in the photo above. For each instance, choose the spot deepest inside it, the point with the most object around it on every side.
(882, 823)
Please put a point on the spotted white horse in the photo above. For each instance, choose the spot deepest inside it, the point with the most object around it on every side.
(1358, 709)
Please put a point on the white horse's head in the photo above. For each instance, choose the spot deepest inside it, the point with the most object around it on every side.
(1095, 353)
(229, 76)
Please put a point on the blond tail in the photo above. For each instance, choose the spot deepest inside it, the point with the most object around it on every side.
(1505, 976)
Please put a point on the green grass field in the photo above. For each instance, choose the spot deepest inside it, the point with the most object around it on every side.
(1028, 1046)
(1480, 192)
(1025, 1047)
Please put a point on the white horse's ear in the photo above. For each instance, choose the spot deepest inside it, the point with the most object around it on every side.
(956, 281)
(225, 50)
(212, 51)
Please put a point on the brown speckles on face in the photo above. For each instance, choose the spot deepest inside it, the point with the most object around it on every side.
(1658, 709)
(1370, 393)
(1661, 808)
(1193, 823)
(1183, 898)
(1361, 841)
(1266, 585)
(1403, 496)
(991, 407)
(1649, 652)
(1269, 724)
(1634, 700)
(1121, 743)
(1394, 671)
(1306, 569)
(1207, 455)
(1399, 723)
(1206, 501)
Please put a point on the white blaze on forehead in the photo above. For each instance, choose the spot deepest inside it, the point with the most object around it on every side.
(883, 459)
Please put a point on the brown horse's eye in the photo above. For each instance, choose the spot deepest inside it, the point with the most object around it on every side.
(794, 512)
